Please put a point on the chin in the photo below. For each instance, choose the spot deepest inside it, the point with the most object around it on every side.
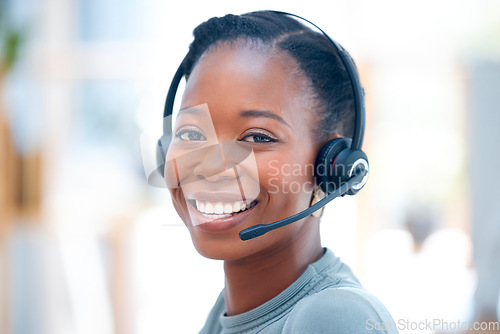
(230, 247)
(219, 248)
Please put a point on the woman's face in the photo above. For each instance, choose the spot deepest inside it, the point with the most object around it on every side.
(259, 101)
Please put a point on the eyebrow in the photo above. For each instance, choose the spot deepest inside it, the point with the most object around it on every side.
(262, 113)
(190, 111)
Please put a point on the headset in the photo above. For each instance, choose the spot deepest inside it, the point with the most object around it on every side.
(341, 167)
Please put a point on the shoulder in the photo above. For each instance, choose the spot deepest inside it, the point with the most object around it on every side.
(340, 310)
(212, 324)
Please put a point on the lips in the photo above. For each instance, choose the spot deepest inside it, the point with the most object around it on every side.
(218, 212)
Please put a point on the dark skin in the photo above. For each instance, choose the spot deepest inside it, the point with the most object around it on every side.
(231, 80)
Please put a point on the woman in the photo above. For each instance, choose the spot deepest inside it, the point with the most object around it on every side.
(263, 90)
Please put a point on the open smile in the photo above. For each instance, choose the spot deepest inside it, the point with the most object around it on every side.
(217, 210)
(219, 216)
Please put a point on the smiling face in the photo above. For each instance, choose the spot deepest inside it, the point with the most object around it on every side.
(260, 105)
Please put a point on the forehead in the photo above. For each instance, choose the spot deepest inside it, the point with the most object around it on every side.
(230, 77)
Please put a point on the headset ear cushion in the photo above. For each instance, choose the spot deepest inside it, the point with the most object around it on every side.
(156, 177)
(161, 151)
(323, 171)
(160, 157)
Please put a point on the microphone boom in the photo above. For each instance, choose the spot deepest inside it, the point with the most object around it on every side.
(261, 229)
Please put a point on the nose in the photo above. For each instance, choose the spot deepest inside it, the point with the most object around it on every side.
(213, 164)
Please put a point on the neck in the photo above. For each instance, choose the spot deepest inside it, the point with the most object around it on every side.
(252, 281)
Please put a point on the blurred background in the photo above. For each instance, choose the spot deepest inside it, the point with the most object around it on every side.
(86, 246)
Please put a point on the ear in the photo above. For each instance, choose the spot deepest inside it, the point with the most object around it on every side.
(335, 135)
(317, 195)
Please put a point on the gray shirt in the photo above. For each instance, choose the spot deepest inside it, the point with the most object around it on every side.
(326, 298)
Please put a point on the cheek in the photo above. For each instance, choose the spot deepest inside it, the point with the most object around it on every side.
(287, 175)
(180, 205)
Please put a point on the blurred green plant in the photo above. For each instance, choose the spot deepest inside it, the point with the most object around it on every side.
(10, 48)
(10, 41)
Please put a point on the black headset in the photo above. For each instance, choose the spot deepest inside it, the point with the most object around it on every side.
(341, 166)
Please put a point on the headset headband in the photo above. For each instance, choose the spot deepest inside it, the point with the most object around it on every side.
(350, 67)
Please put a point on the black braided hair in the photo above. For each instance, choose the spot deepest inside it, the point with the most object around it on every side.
(313, 52)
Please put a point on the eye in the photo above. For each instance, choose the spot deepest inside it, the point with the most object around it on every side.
(258, 138)
(190, 135)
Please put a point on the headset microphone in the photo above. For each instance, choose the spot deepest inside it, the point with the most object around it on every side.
(261, 229)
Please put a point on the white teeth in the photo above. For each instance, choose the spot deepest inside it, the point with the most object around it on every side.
(209, 208)
(219, 208)
(217, 216)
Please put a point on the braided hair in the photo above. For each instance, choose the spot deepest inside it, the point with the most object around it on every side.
(315, 55)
